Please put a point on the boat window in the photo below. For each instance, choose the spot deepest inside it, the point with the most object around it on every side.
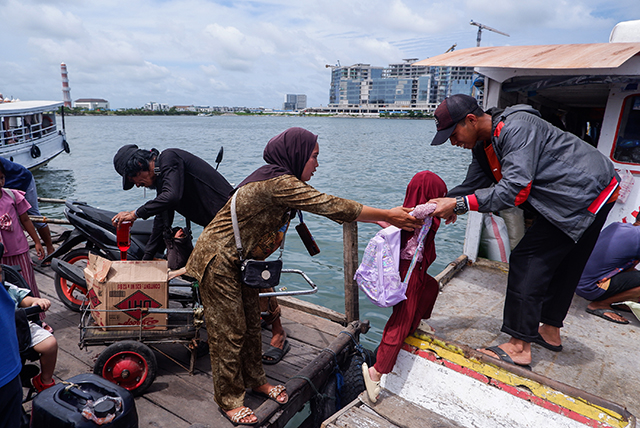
(627, 142)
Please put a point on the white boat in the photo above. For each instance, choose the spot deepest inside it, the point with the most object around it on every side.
(592, 90)
(29, 134)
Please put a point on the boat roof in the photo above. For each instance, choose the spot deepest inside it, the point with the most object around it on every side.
(16, 108)
(544, 57)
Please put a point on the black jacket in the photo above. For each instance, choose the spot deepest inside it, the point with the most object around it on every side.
(186, 184)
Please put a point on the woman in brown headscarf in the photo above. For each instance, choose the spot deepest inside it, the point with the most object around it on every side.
(264, 202)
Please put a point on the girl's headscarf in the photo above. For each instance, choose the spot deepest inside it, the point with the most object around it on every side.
(286, 153)
(423, 187)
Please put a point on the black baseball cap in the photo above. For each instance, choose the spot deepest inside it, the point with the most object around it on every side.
(120, 160)
(451, 111)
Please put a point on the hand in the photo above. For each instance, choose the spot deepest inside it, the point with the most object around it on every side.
(399, 217)
(39, 250)
(124, 216)
(179, 234)
(173, 273)
(451, 219)
(44, 304)
(444, 208)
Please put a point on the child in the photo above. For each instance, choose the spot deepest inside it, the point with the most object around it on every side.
(42, 341)
(13, 219)
(422, 289)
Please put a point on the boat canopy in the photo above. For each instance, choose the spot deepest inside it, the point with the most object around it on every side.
(22, 108)
(543, 57)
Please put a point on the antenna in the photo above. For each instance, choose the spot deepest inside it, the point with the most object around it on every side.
(484, 27)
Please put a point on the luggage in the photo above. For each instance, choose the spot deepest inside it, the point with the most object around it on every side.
(90, 401)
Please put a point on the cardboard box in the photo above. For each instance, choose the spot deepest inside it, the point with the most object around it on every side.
(124, 286)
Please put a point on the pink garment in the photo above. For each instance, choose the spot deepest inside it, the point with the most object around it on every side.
(421, 211)
(15, 243)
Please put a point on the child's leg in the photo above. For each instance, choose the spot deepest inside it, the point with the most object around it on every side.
(48, 349)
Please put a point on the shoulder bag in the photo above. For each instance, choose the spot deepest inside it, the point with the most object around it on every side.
(255, 273)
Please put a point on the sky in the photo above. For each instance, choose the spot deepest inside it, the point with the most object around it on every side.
(253, 53)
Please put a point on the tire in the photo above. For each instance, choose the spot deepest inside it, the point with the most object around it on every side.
(69, 293)
(35, 151)
(65, 146)
(353, 379)
(129, 364)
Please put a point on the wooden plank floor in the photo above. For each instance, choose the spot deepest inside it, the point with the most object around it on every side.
(177, 399)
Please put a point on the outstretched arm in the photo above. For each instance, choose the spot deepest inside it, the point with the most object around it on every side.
(398, 216)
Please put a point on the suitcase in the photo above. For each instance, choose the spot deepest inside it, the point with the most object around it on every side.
(89, 402)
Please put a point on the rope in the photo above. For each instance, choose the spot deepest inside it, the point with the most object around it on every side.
(318, 393)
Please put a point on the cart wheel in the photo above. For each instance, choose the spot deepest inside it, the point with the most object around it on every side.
(72, 294)
(129, 364)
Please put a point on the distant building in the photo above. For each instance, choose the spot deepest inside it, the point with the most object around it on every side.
(397, 87)
(153, 106)
(293, 102)
(91, 103)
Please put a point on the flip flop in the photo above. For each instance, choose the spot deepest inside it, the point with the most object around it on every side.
(373, 387)
(240, 414)
(601, 313)
(540, 341)
(502, 355)
(275, 355)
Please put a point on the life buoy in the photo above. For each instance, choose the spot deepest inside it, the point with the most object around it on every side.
(65, 146)
(35, 151)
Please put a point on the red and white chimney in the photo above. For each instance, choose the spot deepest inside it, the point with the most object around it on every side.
(66, 90)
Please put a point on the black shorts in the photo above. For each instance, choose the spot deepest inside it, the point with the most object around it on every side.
(621, 282)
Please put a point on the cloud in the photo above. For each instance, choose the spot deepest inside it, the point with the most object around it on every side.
(253, 52)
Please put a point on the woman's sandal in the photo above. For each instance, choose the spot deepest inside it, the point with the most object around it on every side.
(373, 387)
(239, 416)
(274, 393)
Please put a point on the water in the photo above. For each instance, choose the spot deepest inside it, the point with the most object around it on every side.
(368, 160)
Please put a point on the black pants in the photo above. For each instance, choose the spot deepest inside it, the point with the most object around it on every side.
(544, 270)
(11, 404)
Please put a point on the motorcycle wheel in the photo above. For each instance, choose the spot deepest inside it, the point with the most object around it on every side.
(129, 364)
(70, 293)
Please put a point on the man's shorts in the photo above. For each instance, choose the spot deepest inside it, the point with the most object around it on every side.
(621, 282)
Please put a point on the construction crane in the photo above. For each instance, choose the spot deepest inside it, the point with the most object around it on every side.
(484, 27)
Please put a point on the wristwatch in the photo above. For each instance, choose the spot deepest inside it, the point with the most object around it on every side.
(461, 206)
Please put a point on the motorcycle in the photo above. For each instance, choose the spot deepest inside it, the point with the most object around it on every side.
(92, 229)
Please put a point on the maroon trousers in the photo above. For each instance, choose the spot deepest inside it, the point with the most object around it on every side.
(422, 292)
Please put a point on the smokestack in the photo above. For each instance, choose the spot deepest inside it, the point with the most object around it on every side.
(66, 90)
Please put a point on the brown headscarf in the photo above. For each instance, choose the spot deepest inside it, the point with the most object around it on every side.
(286, 153)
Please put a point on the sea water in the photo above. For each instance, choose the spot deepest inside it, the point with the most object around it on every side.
(368, 160)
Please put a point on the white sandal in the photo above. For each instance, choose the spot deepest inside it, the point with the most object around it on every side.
(373, 388)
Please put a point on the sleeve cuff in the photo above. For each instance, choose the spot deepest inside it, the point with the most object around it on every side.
(472, 202)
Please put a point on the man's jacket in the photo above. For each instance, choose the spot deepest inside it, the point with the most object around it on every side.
(529, 160)
(187, 184)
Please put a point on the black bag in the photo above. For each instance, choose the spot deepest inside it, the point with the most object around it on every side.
(255, 273)
(261, 273)
(178, 249)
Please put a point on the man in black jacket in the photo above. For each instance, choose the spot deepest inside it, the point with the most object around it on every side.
(183, 182)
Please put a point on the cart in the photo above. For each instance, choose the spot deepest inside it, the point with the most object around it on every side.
(129, 360)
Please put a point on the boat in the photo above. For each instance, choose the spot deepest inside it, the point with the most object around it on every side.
(29, 134)
(592, 90)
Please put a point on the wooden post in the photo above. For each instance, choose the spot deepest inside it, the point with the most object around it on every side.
(350, 241)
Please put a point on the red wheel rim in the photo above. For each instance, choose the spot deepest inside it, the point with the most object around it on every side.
(68, 288)
(127, 369)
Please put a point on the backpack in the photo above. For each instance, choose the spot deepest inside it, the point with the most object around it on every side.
(378, 275)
